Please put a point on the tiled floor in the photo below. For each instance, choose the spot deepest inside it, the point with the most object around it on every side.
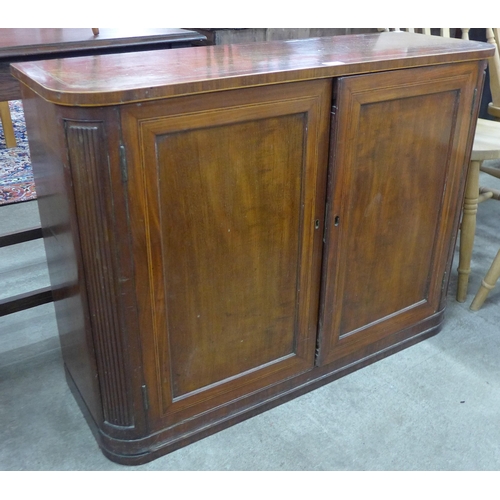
(434, 406)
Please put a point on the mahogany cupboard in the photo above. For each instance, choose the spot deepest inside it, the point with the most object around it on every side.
(229, 227)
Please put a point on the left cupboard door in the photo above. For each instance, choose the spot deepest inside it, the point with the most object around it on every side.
(226, 194)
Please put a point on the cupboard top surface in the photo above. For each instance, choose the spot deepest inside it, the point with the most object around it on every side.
(121, 78)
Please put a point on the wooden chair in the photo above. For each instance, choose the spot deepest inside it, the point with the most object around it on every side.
(494, 106)
(486, 147)
(8, 129)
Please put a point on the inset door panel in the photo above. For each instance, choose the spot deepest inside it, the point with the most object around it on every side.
(226, 217)
(230, 249)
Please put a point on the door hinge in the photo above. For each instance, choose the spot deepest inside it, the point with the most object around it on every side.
(145, 397)
(334, 110)
(123, 163)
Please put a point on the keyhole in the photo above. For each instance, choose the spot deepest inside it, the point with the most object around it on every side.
(336, 220)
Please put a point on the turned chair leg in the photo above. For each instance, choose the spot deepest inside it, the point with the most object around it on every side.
(8, 129)
(487, 284)
(468, 229)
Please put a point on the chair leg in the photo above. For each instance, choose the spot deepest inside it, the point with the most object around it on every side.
(487, 284)
(468, 229)
(8, 129)
(495, 172)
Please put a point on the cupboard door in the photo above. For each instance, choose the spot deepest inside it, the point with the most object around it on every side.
(398, 160)
(226, 195)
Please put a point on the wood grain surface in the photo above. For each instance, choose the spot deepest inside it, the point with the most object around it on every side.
(238, 225)
(113, 79)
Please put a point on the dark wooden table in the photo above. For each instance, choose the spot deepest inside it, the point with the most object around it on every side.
(30, 44)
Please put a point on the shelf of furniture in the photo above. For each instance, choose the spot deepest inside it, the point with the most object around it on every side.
(228, 227)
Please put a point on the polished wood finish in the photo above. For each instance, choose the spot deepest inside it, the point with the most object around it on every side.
(87, 157)
(230, 232)
(109, 80)
(389, 223)
(237, 251)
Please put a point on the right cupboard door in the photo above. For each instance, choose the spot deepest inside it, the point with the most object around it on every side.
(398, 159)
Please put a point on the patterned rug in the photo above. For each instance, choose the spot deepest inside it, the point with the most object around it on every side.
(16, 176)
